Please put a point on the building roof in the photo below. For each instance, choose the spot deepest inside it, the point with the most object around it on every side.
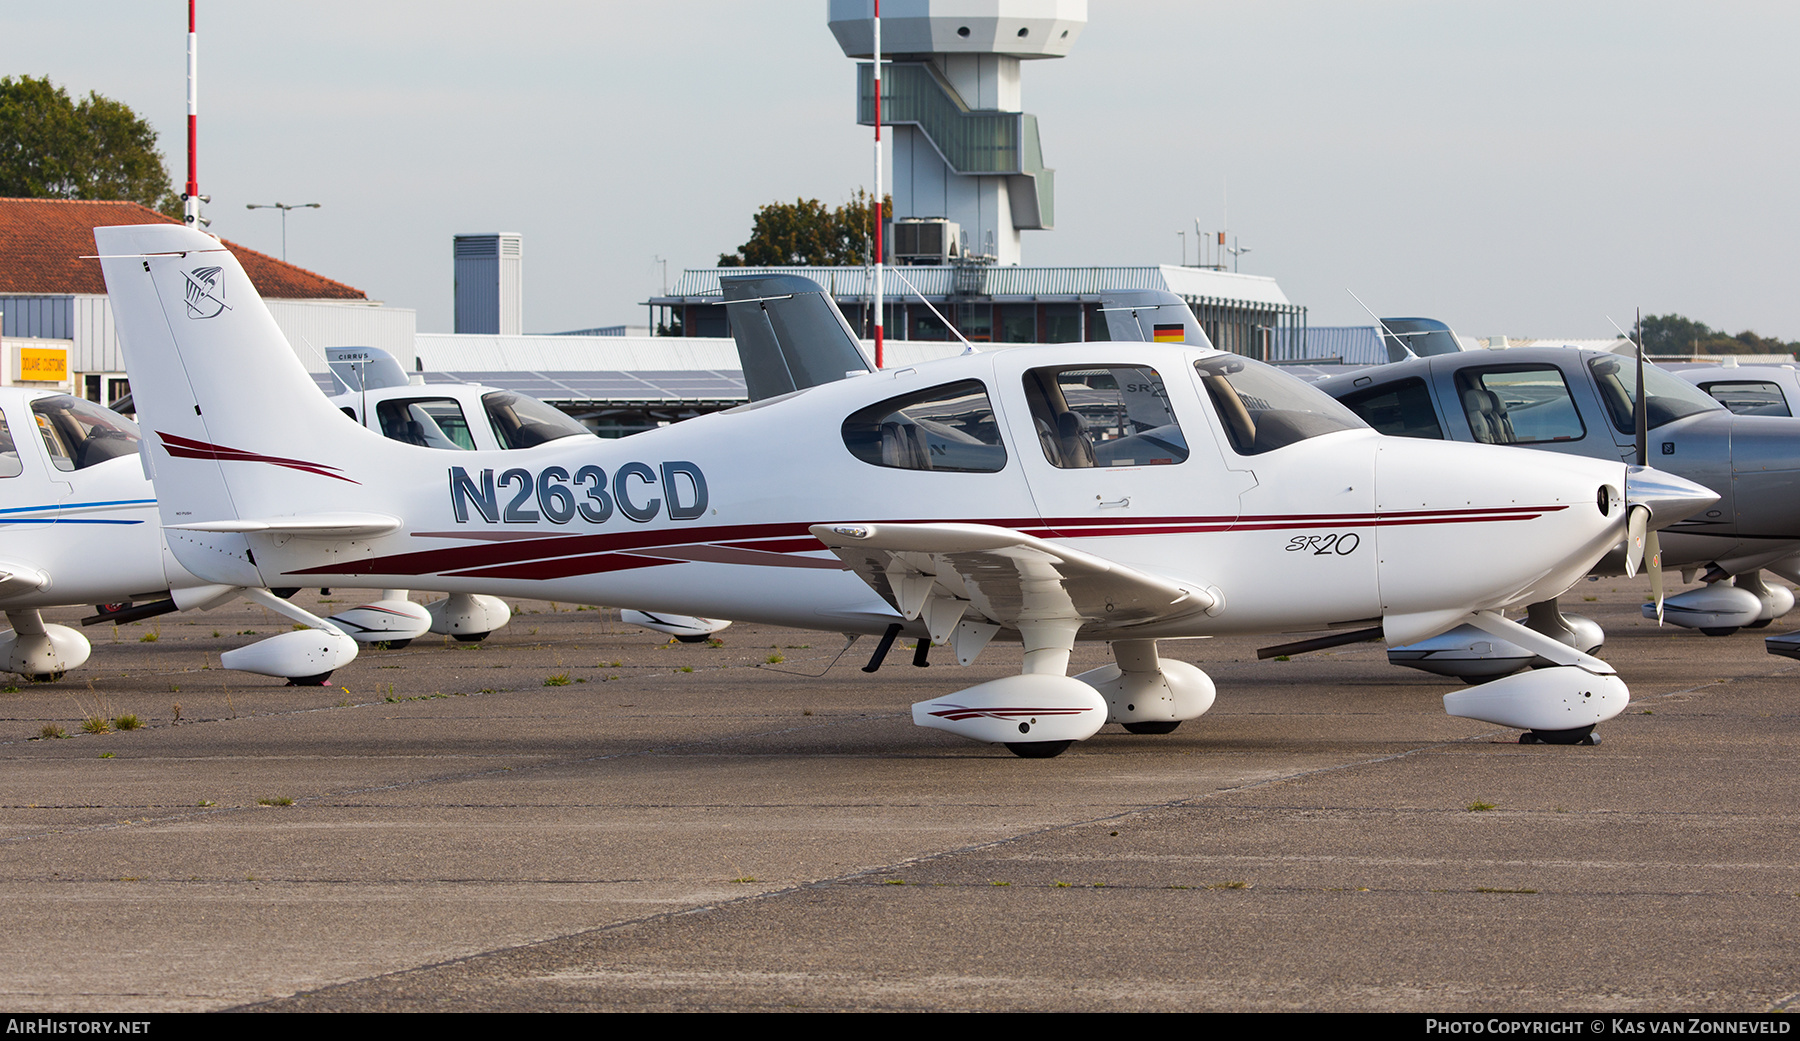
(42, 242)
(696, 285)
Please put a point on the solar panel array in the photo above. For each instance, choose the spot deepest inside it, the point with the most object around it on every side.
(639, 387)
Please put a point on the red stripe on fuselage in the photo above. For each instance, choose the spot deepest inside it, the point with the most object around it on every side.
(536, 554)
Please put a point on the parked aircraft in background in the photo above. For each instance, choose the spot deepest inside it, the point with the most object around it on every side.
(80, 527)
(1748, 390)
(1578, 402)
(965, 500)
(374, 390)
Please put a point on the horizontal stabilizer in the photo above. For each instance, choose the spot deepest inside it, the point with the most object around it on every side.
(312, 525)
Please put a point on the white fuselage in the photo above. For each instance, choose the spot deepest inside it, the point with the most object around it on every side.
(91, 529)
(711, 516)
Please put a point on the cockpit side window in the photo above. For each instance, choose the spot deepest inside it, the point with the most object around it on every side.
(10, 466)
(1402, 409)
(428, 422)
(1670, 397)
(79, 434)
(1519, 405)
(1105, 415)
(1263, 409)
(1749, 397)
(949, 428)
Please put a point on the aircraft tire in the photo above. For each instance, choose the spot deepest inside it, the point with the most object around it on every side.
(1719, 630)
(703, 637)
(309, 681)
(1760, 623)
(1038, 749)
(470, 637)
(46, 677)
(394, 645)
(1577, 736)
(1155, 726)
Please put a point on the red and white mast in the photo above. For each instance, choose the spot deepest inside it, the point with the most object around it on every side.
(190, 197)
(878, 206)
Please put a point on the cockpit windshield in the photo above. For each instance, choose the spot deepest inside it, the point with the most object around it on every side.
(1670, 397)
(1263, 409)
(525, 422)
(78, 433)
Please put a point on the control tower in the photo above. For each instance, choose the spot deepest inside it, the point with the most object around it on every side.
(968, 167)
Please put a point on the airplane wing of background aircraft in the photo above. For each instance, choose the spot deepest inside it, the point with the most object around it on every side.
(1027, 495)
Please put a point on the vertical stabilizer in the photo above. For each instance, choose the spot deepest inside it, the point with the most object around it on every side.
(789, 334)
(233, 426)
(1154, 315)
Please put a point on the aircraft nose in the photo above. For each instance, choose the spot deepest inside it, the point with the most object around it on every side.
(1670, 499)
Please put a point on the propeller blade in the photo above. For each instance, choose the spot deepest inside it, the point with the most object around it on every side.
(1653, 551)
(1636, 528)
(1640, 409)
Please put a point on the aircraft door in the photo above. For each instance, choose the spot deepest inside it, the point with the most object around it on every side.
(1307, 514)
(1534, 404)
(1112, 448)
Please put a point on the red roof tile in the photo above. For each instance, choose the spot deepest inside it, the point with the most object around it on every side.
(42, 241)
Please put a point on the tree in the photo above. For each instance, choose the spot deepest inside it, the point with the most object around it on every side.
(1674, 334)
(54, 147)
(805, 232)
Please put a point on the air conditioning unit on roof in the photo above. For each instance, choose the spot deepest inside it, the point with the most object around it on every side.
(926, 240)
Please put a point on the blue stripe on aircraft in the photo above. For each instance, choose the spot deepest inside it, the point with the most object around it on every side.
(9, 521)
(80, 506)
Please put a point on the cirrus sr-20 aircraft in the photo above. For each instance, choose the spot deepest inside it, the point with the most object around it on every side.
(964, 500)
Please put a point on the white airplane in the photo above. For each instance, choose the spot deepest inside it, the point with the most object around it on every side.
(80, 528)
(962, 500)
(374, 390)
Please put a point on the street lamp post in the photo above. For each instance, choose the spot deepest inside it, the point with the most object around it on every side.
(284, 208)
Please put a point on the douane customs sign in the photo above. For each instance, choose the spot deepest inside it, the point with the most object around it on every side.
(43, 365)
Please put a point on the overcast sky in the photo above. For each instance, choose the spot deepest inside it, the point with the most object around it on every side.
(1514, 167)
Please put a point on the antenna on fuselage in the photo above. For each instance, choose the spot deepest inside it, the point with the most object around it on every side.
(968, 348)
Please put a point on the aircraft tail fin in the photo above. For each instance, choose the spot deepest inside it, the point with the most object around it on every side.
(363, 368)
(1417, 338)
(789, 334)
(218, 386)
(1151, 315)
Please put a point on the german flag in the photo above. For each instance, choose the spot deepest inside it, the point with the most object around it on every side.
(1174, 333)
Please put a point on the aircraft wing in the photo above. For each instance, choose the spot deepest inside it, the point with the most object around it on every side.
(18, 579)
(999, 577)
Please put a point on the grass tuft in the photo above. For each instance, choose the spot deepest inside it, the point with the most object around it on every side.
(95, 725)
(1480, 807)
(274, 800)
(561, 679)
(127, 721)
(51, 731)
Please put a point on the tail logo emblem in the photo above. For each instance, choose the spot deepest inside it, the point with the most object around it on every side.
(205, 294)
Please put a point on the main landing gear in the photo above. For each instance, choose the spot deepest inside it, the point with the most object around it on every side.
(1039, 713)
